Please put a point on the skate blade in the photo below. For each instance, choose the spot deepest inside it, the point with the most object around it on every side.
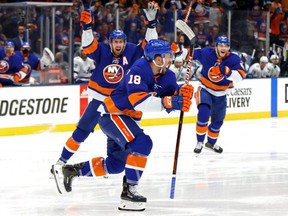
(58, 179)
(197, 154)
(212, 150)
(131, 206)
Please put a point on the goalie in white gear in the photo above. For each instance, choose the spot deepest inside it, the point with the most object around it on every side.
(272, 66)
(82, 68)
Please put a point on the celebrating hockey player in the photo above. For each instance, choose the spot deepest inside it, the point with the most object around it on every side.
(112, 61)
(147, 86)
(221, 69)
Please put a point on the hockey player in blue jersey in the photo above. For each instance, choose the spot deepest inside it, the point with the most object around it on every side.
(29, 59)
(148, 86)
(12, 69)
(32, 61)
(221, 69)
(112, 61)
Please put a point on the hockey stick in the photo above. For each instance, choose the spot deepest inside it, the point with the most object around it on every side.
(190, 34)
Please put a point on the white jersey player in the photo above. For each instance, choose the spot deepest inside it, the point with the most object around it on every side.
(178, 68)
(273, 68)
(259, 70)
(83, 67)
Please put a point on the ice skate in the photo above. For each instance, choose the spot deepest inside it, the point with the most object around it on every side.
(198, 148)
(58, 165)
(131, 200)
(64, 176)
(214, 148)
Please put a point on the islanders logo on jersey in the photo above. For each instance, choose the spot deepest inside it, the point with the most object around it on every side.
(113, 73)
(215, 74)
(4, 66)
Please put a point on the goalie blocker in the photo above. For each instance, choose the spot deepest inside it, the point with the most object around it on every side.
(47, 58)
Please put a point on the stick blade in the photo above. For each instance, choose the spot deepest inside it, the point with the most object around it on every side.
(180, 24)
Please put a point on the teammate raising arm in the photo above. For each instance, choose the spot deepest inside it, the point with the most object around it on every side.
(112, 61)
(147, 86)
(221, 69)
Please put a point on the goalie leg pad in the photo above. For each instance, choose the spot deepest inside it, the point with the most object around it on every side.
(126, 205)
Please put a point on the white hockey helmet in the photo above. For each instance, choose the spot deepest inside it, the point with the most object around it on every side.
(264, 59)
(274, 57)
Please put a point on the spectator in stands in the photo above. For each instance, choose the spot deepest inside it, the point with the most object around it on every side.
(258, 70)
(3, 37)
(260, 30)
(215, 14)
(201, 13)
(169, 20)
(20, 38)
(62, 41)
(283, 36)
(203, 38)
(276, 16)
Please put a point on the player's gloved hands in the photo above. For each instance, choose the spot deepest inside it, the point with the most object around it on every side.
(220, 69)
(150, 14)
(16, 77)
(187, 91)
(86, 20)
(176, 103)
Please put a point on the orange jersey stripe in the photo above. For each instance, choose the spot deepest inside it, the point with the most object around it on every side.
(136, 161)
(123, 128)
(110, 106)
(242, 73)
(72, 145)
(201, 129)
(213, 86)
(135, 97)
(213, 135)
(98, 88)
(91, 48)
(97, 166)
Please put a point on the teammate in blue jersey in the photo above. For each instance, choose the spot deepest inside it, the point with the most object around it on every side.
(221, 69)
(12, 69)
(30, 60)
(112, 61)
(148, 86)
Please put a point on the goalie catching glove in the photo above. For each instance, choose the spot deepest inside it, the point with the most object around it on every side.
(176, 103)
(47, 58)
(86, 20)
(150, 14)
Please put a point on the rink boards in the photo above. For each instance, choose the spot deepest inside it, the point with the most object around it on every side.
(25, 110)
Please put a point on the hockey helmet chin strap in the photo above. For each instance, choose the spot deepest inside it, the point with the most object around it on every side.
(160, 66)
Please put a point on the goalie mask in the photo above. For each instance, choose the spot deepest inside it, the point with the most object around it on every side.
(117, 42)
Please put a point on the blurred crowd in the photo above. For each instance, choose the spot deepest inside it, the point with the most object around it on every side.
(208, 19)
